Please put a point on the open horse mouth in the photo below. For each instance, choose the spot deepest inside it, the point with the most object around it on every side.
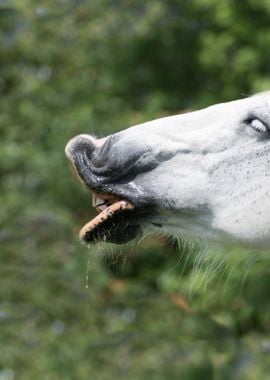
(112, 224)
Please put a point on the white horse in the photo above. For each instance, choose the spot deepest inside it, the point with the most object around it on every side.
(202, 174)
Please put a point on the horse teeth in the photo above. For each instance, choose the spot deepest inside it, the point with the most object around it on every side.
(96, 202)
(100, 202)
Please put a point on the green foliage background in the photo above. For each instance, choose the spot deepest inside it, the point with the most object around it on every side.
(73, 66)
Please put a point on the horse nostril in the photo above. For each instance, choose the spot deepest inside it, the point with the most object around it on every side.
(102, 154)
(89, 156)
(81, 145)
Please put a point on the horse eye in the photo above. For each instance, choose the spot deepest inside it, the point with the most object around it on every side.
(259, 126)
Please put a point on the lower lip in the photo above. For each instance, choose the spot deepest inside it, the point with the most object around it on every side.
(104, 215)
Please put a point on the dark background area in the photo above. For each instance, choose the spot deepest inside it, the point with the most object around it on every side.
(151, 311)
